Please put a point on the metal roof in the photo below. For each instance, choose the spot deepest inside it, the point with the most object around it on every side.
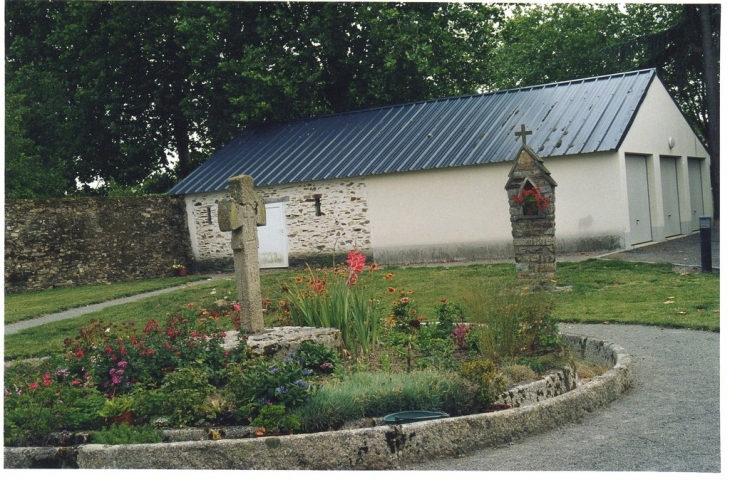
(571, 117)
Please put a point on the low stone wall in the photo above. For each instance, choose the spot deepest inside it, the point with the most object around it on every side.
(72, 241)
(381, 447)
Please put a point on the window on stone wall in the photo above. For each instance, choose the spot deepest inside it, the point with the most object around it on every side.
(318, 205)
(209, 215)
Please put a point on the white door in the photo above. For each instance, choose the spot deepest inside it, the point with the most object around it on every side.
(637, 182)
(696, 200)
(273, 248)
(670, 195)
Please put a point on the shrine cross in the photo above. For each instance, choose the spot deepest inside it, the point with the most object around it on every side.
(523, 133)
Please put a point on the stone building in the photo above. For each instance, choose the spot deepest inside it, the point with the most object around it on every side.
(424, 182)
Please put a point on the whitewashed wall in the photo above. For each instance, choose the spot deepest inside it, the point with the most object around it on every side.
(658, 119)
(463, 213)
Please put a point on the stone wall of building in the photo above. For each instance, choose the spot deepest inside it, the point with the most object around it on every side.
(73, 241)
(322, 218)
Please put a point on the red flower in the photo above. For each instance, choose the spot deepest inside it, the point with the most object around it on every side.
(356, 263)
(33, 385)
(79, 353)
(75, 382)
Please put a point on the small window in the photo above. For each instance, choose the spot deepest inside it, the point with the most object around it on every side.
(318, 205)
(210, 215)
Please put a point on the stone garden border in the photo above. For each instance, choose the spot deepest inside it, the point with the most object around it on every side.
(377, 448)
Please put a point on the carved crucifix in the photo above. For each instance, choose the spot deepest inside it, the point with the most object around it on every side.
(240, 212)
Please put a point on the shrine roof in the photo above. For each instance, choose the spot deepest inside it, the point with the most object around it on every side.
(571, 117)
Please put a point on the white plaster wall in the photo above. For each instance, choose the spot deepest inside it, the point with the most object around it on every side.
(658, 119)
(463, 212)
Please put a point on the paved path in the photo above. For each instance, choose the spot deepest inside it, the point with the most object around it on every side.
(669, 422)
(93, 308)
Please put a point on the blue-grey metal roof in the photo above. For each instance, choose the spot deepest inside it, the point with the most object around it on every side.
(571, 117)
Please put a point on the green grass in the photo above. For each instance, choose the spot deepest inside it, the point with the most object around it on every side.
(616, 291)
(24, 306)
(602, 291)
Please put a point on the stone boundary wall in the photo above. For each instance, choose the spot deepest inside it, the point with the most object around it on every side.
(377, 448)
(73, 241)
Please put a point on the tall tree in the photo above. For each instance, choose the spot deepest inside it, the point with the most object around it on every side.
(151, 87)
(549, 43)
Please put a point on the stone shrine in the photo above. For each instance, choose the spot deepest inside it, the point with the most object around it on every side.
(531, 193)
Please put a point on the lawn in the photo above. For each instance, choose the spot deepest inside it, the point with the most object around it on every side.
(602, 291)
(24, 306)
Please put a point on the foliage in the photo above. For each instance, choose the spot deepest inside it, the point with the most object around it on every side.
(273, 419)
(330, 300)
(532, 200)
(114, 357)
(116, 406)
(111, 90)
(510, 321)
(184, 391)
(284, 382)
(43, 398)
(365, 395)
(488, 380)
(125, 434)
(449, 317)
(320, 358)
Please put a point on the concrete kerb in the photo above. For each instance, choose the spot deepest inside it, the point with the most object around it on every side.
(377, 448)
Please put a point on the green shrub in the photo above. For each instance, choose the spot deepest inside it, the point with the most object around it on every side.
(42, 398)
(509, 320)
(124, 434)
(273, 419)
(375, 395)
(282, 382)
(483, 374)
(317, 357)
(183, 393)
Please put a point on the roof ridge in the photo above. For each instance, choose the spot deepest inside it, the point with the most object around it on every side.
(457, 97)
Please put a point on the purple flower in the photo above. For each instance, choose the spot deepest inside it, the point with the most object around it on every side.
(281, 390)
(306, 371)
(274, 370)
(301, 383)
(123, 364)
(326, 365)
(62, 372)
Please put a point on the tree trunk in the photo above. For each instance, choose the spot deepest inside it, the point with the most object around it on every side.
(710, 55)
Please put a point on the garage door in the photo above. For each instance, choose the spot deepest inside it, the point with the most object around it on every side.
(695, 191)
(670, 195)
(637, 182)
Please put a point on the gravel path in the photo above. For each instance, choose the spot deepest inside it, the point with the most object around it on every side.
(669, 422)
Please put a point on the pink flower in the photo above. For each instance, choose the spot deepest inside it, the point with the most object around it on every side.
(33, 385)
(237, 307)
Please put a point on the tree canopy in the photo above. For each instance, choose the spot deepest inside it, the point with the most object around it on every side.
(138, 94)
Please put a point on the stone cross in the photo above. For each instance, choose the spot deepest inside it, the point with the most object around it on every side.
(524, 133)
(240, 212)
